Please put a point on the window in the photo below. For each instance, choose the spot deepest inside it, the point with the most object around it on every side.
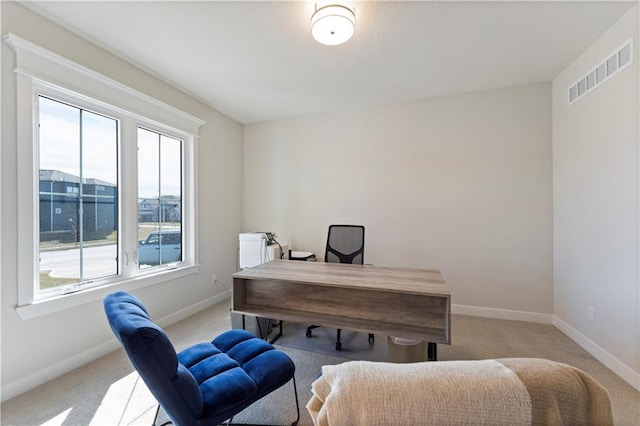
(79, 227)
(79, 238)
(106, 184)
(159, 184)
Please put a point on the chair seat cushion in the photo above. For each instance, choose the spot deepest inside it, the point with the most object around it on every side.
(231, 370)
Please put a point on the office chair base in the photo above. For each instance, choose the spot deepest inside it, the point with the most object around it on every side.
(311, 327)
(339, 342)
(308, 333)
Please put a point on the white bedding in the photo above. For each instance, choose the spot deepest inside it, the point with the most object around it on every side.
(518, 391)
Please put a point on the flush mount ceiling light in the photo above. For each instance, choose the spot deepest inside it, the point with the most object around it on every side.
(333, 23)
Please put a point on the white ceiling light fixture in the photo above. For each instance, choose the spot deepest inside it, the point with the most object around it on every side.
(333, 23)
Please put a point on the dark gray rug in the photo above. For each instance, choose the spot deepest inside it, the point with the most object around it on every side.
(355, 345)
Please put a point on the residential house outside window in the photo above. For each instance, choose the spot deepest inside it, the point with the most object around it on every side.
(160, 188)
(101, 167)
(78, 151)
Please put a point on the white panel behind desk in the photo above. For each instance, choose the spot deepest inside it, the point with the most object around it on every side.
(254, 251)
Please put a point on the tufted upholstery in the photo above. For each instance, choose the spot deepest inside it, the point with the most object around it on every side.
(204, 384)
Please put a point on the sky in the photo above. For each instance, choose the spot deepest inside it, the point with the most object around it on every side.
(59, 149)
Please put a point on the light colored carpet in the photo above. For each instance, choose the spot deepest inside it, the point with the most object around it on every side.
(485, 338)
(108, 392)
(278, 408)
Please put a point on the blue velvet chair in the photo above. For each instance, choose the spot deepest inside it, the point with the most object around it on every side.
(207, 383)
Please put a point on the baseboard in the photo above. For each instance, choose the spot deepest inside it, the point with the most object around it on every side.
(25, 384)
(610, 361)
(56, 370)
(193, 309)
(505, 314)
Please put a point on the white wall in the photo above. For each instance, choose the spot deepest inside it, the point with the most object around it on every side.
(460, 183)
(72, 337)
(595, 181)
(1, 204)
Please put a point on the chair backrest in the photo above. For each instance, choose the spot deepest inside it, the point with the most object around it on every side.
(345, 244)
(155, 358)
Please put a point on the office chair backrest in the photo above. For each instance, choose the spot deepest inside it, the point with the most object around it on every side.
(345, 244)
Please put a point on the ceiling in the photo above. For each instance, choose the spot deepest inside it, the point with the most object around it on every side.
(256, 61)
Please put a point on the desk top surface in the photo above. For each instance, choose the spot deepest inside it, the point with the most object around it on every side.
(395, 279)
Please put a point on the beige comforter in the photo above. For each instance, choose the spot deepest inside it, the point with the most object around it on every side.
(513, 391)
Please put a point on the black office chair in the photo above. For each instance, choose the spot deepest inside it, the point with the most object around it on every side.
(345, 244)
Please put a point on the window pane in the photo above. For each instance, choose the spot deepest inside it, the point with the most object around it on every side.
(159, 199)
(100, 213)
(148, 164)
(78, 194)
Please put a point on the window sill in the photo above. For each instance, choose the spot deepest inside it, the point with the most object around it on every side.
(67, 301)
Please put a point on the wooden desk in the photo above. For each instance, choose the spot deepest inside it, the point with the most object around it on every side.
(401, 302)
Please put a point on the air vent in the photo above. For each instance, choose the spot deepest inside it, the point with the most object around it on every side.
(612, 65)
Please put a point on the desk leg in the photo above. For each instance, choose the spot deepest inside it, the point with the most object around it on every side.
(277, 336)
(266, 333)
(432, 352)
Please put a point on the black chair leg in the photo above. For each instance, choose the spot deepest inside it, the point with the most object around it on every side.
(295, 391)
(155, 419)
(371, 337)
(295, 394)
(338, 342)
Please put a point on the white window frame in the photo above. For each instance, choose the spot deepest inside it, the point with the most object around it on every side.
(41, 72)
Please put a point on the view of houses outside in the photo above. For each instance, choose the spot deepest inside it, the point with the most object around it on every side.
(78, 195)
(60, 208)
(159, 199)
(60, 204)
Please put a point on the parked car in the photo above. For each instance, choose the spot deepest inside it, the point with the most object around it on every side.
(160, 248)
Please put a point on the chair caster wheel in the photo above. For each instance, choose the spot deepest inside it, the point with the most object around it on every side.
(308, 333)
(370, 338)
(338, 346)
